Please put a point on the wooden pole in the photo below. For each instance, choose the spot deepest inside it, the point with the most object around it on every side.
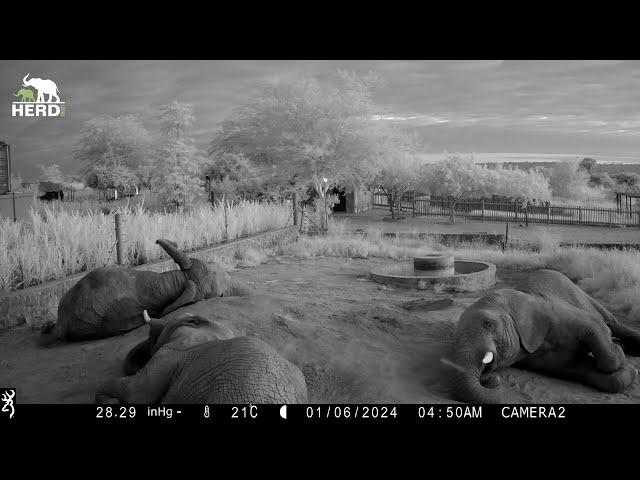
(119, 240)
(295, 208)
(226, 223)
(506, 238)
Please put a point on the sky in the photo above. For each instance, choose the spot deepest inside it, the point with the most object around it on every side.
(497, 109)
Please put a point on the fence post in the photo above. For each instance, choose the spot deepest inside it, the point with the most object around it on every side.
(526, 215)
(414, 205)
(451, 211)
(15, 217)
(610, 222)
(579, 214)
(483, 209)
(548, 214)
(295, 208)
(119, 240)
(226, 223)
(506, 238)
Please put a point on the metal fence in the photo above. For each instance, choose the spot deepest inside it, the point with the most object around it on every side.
(491, 210)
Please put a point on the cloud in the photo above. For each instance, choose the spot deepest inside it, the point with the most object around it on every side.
(491, 105)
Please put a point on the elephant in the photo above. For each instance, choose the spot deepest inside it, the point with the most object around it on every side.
(26, 94)
(43, 87)
(550, 326)
(191, 360)
(110, 301)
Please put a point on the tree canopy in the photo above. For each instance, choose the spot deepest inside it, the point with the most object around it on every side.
(588, 164)
(306, 131)
(113, 140)
(179, 161)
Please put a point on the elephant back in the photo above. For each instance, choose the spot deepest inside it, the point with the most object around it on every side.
(238, 370)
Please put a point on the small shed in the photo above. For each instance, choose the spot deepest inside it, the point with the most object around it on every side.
(50, 191)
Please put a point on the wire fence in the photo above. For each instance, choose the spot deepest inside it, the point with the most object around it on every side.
(511, 211)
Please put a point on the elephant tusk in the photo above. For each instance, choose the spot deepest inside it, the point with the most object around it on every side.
(146, 316)
(488, 358)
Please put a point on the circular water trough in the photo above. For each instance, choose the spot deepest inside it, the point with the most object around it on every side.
(466, 276)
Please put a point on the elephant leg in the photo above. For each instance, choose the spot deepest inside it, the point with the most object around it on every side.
(148, 386)
(585, 371)
(607, 354)
(188, 295)
(629, 336)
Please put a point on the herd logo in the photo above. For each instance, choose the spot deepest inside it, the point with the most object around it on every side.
(36, 106)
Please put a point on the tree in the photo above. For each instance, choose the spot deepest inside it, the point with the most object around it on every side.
(106, 138)
(455, 177)
(587, 164)
(179, 160)
(627, 179)
(568, 180)
(306, 131)
(515, 183)
(602, 180)
(398, 175)
(232, 175)
(115, 175)
(51, 173)
(459, 177)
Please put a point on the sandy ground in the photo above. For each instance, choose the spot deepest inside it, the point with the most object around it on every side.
(352, 338)
(561, 233)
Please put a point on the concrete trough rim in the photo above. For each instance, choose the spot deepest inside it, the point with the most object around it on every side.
(482, 278)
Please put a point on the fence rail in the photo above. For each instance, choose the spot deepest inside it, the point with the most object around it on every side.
(491, 210)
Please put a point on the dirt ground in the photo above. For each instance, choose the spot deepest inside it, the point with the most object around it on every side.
(352, 338)
(518, 232)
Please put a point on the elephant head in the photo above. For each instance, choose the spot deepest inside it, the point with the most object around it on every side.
(490, 335)
(211, 281)
(180, 333)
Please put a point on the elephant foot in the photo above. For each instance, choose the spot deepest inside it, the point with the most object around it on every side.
(621, 379)
(490, 381)
(585, 371)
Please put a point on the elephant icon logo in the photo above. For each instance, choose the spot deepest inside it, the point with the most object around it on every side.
(38, 98)
(44, 87)
(25, 94)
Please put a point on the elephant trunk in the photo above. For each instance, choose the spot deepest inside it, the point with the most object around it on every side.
(24, 80)
(178, 256)
(467, 368)
(467, 388)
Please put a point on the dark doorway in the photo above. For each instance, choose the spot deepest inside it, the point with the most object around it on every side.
(341, 206)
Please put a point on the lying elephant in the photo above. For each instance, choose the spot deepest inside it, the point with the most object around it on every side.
(190, 359)
(551, 327)
(110, 301)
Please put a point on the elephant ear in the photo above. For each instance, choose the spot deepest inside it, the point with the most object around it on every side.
(138, 357)
(531, 323)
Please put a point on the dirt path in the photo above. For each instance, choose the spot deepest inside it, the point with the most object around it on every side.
(352, 338)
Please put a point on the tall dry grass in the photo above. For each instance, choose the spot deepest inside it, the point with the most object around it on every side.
(56, 242)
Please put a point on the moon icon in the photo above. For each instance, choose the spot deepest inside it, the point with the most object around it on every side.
(283, 411)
